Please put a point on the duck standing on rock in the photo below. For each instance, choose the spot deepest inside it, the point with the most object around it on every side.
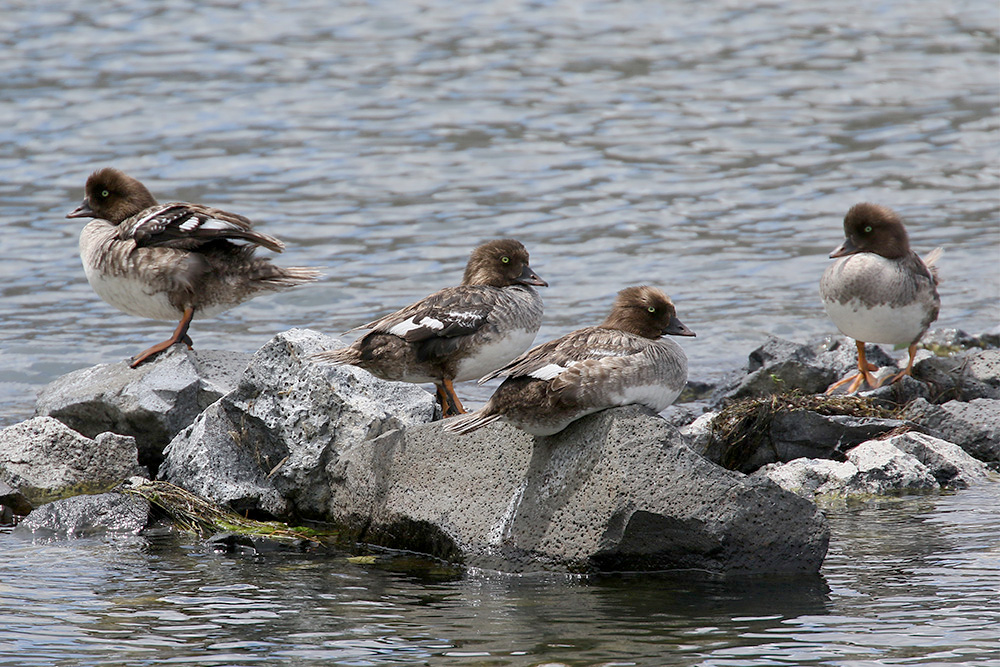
(622, 361)
(458, 333)
(172, 261)
(878, 290)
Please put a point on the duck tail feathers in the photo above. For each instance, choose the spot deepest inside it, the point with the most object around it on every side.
(339, 357)
(467, 423)
(292, 276)
(931, 260)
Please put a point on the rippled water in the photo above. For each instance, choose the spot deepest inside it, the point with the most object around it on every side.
(909, 582)
(710, 148)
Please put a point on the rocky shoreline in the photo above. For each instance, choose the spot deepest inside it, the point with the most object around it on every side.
(732, 481)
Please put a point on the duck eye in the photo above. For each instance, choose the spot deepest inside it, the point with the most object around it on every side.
(505, 259)
(652, 309)
(868, 229)
(104, 193)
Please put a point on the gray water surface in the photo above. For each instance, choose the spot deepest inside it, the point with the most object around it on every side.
(707, 147)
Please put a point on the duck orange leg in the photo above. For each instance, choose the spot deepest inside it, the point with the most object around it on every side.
(450, 405)
(864, 374)
(909, 366)
(180, 336)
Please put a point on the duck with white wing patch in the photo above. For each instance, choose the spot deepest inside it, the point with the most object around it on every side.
(174, 261)
(622, 361)
(458, 333)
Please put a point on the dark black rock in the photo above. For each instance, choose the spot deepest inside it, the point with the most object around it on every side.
(14, 500)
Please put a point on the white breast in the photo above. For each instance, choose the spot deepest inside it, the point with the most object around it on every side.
(655, 396)
(494, 355)
(132, 296)
(132, 281)
(899, 325)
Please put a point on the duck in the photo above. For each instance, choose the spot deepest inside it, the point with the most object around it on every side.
(172, 262)
(879, 290)
(624, 360)
(458, 333)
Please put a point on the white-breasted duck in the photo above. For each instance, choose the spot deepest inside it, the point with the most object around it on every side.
(622, 361)
(878, 290)
(458, 333)
(176, 261)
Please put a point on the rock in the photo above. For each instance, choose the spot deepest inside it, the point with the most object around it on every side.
(810, 477)
(946, 461)
(698, 434)
(900, 392)
(949, 341)
(253, 545)
(266, 448)
(152, 403)
(85, 516)
(907, 462)
(50, 458)
(755, 432)
(884, 468)
(780, 366)
(617, 490)
(14, 500)
(973, 426)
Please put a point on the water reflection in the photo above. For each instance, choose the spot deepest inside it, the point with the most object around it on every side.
(912, 578)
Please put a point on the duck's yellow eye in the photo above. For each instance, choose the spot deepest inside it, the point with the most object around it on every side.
(104, 193)
(652, 309)
(868, 229)
(505, 259)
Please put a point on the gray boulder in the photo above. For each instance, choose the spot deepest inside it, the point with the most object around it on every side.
(617, 490)
(908, 462)
(974, 426)
(267, 447)
(49, 458)
(87, 516)
(152, 403)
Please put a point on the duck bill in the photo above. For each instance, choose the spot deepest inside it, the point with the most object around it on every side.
(676, 328)
(82, 211)
(529, 277)
(845, 248)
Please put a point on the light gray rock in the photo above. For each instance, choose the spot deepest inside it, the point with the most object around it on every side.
(908, 462)
(151, 403)
(974, 426)
(87, 516)
(617, 490)
(698, 434)
(946, 461)
(810, 477)
(884, 468)
(267, 447)
(46, 455)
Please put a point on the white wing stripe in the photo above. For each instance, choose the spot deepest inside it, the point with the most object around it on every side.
(547, 372)
(409, 325)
